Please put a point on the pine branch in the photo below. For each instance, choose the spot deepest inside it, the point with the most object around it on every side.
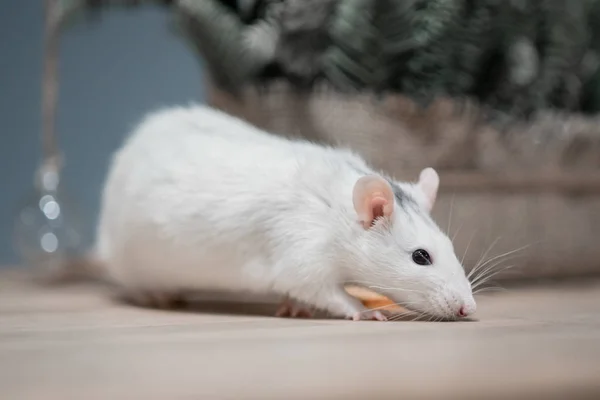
(370, 39)
(476, 37)
(304, 37)
(219, 36)
(564, 30)
(352, 61)
(430, 63)
(395, 29)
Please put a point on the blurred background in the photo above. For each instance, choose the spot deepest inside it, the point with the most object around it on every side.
(112, 71)
(501, 98)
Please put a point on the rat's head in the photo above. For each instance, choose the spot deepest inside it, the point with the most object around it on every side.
(405, 254)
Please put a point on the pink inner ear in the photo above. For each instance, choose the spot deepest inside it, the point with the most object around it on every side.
(377, 208)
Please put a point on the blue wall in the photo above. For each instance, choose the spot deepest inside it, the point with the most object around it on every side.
(112, 72)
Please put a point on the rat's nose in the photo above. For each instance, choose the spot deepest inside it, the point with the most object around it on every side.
(465, 310)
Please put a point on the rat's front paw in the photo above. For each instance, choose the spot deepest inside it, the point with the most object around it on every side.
(368, 315)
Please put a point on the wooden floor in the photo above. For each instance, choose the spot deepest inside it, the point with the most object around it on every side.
(77, 343)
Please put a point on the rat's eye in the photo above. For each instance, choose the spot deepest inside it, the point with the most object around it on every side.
(421, 257)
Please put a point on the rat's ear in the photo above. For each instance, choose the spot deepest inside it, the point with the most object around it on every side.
(373, 198)
(429, 181)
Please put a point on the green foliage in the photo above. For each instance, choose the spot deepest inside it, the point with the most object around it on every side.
(369, 38)
(353, 62)
(435, 27)
(516, 56)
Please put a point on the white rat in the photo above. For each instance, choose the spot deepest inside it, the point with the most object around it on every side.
(200, 200)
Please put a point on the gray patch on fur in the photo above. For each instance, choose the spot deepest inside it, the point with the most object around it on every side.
(404, 200)
(409, 204)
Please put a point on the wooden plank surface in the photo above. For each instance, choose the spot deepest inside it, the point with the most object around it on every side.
(75, 342)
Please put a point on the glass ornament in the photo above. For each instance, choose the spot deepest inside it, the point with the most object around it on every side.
(47, 229)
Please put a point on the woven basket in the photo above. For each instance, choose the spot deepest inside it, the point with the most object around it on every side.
(533, 189)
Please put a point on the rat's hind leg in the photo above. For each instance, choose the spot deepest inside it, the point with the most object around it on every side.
(294, 309)
(155, 299)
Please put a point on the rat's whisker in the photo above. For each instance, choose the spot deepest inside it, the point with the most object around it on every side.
(401, 315)
(386, 306)
(415, 315)
(422, 317)
(361, 283)
(450, 214)
(467, 249)
(367, 284)
(494, 273)
(490, 268)
(489, 289)
(396, 289)
(456, 233)
(407, 312)
(477, 265)
(400, 304)
(477, 281)
(490, 276)
(508, 253)
(379, 308)
(499, 260)
(504, 255)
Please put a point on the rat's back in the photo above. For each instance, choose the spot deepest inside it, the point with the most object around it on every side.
(194, 195)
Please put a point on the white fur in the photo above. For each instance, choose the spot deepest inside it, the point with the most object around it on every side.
(196, 199)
